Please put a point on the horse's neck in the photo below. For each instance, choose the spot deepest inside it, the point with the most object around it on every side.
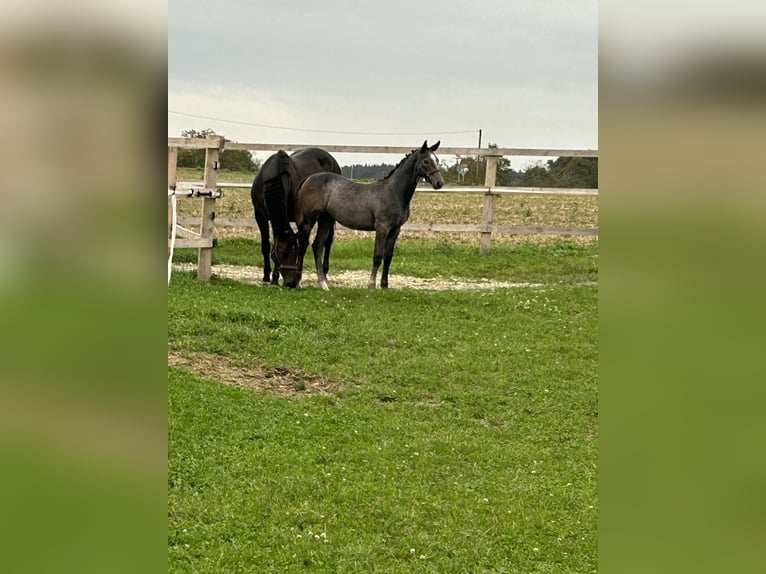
(404, 180)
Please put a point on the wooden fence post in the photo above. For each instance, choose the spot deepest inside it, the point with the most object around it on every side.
(172, 162)
(207, 226)
(489, 203)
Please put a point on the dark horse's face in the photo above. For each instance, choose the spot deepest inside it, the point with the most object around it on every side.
(428, 165)
(286, 256)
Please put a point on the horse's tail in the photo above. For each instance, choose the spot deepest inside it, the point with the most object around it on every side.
(276, 190)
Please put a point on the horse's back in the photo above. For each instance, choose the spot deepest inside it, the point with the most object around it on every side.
(315, 160)
(318, 185)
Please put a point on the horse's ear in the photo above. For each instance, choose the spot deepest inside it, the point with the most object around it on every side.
(425, 146)
(435, 146)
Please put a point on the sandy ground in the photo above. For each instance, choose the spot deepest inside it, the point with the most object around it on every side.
(253, 274)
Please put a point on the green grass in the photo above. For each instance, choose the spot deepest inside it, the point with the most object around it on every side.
(560, 260)
(463, 437)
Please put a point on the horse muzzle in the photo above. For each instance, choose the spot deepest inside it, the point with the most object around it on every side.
(436, 182)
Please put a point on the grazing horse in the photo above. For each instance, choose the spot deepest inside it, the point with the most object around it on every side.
(273, 196)
(382, 206)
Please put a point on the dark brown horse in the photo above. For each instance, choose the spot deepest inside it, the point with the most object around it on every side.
(273, 195)
(382, 207)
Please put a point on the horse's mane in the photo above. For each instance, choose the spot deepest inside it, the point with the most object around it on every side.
(398, 165)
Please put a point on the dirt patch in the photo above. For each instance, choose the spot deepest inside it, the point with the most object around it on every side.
(276, 380)
(253, 275)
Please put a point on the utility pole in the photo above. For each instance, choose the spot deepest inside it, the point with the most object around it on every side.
(477, 160)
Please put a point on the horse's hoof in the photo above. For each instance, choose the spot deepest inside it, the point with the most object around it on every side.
(323, 285)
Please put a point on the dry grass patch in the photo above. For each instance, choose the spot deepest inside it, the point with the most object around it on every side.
(280, 380)
(455, 208)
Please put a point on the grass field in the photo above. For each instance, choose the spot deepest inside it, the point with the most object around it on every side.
(387, 431)
(555, 261)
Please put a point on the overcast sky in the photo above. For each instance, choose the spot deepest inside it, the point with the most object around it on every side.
(524, 72)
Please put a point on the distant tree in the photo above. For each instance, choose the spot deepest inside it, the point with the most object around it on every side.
(365, 171)
(574, 171)
(537, 175)
(232, 159)
(562, 172)
(451, 176)
(238, 160)
(504, 171)
(193, 157)
(202, 134)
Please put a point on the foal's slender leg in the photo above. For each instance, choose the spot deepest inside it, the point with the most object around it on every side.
(377, 256)
(304, 232)
(327, 245)
(323, 229)
(388, 255)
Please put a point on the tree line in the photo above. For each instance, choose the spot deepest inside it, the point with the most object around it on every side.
(561, 172)
(231, 159)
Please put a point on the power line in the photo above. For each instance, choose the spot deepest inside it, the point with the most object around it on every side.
(319, 131)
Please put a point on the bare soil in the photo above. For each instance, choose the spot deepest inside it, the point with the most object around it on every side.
(281, 381)
(252, 274)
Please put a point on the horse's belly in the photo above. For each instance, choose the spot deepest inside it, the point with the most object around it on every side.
(354, 215)
(360, 224)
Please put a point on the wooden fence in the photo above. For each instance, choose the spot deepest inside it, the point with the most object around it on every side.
(210, 190)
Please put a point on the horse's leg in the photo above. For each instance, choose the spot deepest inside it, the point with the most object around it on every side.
(323, 230)
(388, 255)
(377, 256)
(304, 232)
(327, 245)
(263, 227)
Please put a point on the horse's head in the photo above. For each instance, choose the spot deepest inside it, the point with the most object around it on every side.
(428, 165)
(286, 257)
